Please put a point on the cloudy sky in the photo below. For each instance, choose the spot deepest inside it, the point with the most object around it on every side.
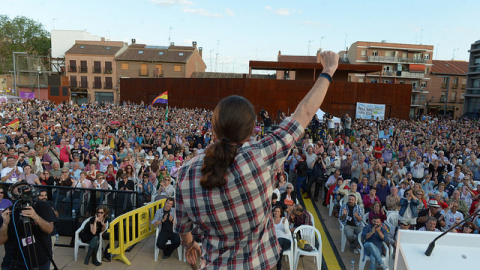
(234, 32)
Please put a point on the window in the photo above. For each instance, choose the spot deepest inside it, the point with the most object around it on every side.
(363, 53)
(54, 91)
(97, 82)
(108, 67)
(97, 68)
(73, 66)
(124, 66)
(476, 83)
(144, 70)
(361, 80)
(160, 53)
(455, 82)
(404, 55)
(476, 61)
(401, 82)
(65, 91)
(83, 82)
(462, 96)
(424, 84)
(375, 53)
(83, 66)
(389, 53)
(108, 83)
(349, 79)
(177, 68)
(453, 96)
(158, 70)
(180, 54)
(427, 70)
(73, 81)
(140, 52)
(427, 56)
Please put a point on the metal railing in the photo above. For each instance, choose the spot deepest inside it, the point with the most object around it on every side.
(392, 59)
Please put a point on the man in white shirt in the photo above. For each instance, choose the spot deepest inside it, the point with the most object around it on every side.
(452, 216)
(418, 169)
(11, 173)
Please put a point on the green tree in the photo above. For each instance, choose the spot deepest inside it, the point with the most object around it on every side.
(21, 34)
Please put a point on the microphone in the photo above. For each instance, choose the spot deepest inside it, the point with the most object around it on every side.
(431, 246)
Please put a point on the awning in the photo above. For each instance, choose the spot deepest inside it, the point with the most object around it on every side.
(416, 68)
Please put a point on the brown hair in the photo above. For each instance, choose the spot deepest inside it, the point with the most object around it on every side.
(232, 122)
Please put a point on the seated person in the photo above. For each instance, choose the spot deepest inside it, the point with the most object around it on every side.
(377, 211)
(433, 210)
(373, 235)
(289, 198)
(334, 192)
(452, 216)
(351, 215)
(369, 199)
(299, 217)
(277, 203)
(165, 220)
(408, 207)
(352, 190)
(430, 225)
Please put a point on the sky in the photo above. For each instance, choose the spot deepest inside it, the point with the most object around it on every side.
(232, 33)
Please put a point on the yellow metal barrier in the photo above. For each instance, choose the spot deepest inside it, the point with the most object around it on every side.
(131, 228)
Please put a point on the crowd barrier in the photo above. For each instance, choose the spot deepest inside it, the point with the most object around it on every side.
(130, 228)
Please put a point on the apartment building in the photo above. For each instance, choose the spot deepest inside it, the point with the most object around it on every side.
(91, 70)
(401, 64)
(140, 60)
(446, 88)
(472, 94)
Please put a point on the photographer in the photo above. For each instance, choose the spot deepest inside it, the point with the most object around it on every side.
(40, 216)
(318, 177)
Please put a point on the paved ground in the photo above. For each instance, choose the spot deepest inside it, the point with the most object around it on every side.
(141, 255)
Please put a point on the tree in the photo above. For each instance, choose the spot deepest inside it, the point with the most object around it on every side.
(21, 34)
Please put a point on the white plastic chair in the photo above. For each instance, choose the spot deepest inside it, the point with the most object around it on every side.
(289, 252)
(311, 218)
(78, 241)
(330, 206)
(308, 233)
(392, 221)
(157, 250)
(343, 240)
(364, 257)
(365, 219)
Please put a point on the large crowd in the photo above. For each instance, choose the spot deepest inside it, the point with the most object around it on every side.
(424, 170)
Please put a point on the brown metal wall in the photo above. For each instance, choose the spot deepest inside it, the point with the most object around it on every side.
(271, 95)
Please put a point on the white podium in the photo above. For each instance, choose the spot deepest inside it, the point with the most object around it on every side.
(452, 251)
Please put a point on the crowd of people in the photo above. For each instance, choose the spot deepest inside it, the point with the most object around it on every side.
(425, 172)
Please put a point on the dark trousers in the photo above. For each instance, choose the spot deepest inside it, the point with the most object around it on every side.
(285, 245)
(162, 240)
(318, 186)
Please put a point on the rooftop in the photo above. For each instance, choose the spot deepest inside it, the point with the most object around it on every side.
(155, 55)
(449, 67)
(80, 48)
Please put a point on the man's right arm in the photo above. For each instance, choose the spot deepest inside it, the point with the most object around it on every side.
(312, 101)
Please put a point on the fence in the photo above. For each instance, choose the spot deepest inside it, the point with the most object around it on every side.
(74, 205)
(130, 228)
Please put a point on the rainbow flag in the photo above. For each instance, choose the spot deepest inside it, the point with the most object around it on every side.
(14, 124)
(162, 98)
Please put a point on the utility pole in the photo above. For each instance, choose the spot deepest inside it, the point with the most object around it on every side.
(211, 67)
(216, 56)
(15, 72)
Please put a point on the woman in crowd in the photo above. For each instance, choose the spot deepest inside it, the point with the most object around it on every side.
(91, 233)
(28, 176)
(393, 200)
(281, 232)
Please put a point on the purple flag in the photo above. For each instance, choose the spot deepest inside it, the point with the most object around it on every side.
(29, 95)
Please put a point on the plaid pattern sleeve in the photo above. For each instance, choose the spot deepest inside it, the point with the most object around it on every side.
(234, 221)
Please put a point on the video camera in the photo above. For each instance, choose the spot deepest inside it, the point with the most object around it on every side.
(24, 196)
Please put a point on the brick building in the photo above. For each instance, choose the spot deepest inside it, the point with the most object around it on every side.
(92, 72)
(402, 64)
(447, 87)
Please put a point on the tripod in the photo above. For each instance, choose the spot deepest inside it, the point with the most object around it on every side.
(32, 234)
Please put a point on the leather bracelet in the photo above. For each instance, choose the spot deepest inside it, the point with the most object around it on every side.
(189, 246)
(326, 75)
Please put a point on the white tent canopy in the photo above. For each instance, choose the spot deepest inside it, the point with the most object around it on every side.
(9, 98)
(320, 114)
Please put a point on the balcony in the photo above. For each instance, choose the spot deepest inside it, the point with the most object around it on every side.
(72, 68)
(442, 99)
(143, 72)
(392, 59)
(416, 103)
(108, 71)
(108, 85)
(73, 84)
(403, 74)
(157, 74)
(418, 89)
(83, 69)
(97, 70)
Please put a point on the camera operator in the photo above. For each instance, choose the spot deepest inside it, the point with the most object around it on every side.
(318, 177)
(13, 231)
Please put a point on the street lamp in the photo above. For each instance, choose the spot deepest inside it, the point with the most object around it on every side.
(39, 71)
(15, 72)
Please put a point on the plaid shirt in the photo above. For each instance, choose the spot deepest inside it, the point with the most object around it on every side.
(234, 221)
